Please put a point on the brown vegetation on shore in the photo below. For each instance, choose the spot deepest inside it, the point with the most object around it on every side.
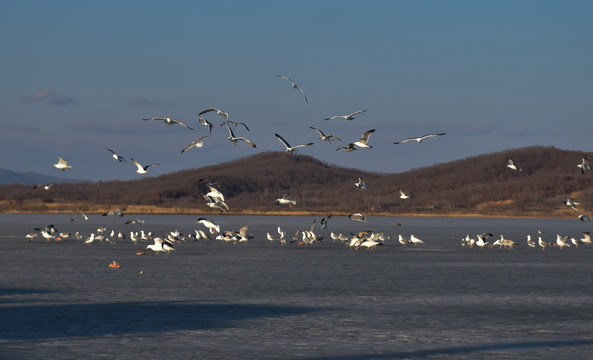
(480, 185)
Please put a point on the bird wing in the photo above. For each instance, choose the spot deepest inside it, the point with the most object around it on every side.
(298, 87)
(247, 141)
(365, 137)
(62, 161)
(286, 144)
(196, 143)
(404, 140)
(140, 167)
(180, 123)
(230, 131)
(108, 149)
(431, 135)
(150, 165)
(319, 131)
(335, 117)
(287, 78)
(357, 112)
(302, 145)
(208, 110)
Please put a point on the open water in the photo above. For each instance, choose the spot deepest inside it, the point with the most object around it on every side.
(260, 300)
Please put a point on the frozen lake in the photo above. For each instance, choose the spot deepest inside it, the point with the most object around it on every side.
(260, 300)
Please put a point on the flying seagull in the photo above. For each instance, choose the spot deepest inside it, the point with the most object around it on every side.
(294, 86)
(234, 123)
(218, 111)
(232, 138)
(403, 195)
(169, 121)
(573, 204)
(360, 185)
(142, 169)
(206, 123)
(362, 143)
(196, 143)
(289, 148)
(324, 137)
(118, 212)
(419, 139)
(513, 166)
(116, 156)
(584, 165)
(348, 148)
(347, 117)
(62, 164)
(358, 217)
(45, 187)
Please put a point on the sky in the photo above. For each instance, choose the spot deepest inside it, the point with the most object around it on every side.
(78, 76)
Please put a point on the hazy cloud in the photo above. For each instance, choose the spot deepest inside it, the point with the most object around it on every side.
(38, 96)
(52, 96)
(63, 101)
(20, 128)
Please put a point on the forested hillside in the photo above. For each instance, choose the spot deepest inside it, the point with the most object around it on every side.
(476, 185)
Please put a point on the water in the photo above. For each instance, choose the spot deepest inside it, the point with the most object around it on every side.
(260, 300)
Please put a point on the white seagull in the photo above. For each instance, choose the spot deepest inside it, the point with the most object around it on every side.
(358, 217)
(346, 117)
(324, 137)
(196, 143)
(419, 138)
(45, 187)
(62, 164)
(584, 165)
(161, 245)
(573, 204)
(232, 138)
(116, 156)
(169, 121)
(294, 86)
(362, 143)
(289, 148)
(213, 228)
(360, 185)
(285, 201)
(224, 114)
(206, 123)
(513, 166)
(142, 169)
(403, 195)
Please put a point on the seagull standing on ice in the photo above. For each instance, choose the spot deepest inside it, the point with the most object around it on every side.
(116, 156)
(169, 121)
(143, 169)
(347, 117)
(62, 164)
(419, 138)
(294, 86)
(161, 245)
(290, 149)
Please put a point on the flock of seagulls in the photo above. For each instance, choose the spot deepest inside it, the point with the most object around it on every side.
(481, 241)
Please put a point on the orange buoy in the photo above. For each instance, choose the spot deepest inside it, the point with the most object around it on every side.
(141, 253)
(114, 264)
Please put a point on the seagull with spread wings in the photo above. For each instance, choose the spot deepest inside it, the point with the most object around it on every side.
(224, 114)
(289, 148)
(206, 123)
(196, 143)
(62, 164)
(116, 156)
(362, 143)
(324, 137)
(294, 86)
(584, 165)
(232, 138)
(168, 121)
(419, 138)
(347, 117)
(142, 169)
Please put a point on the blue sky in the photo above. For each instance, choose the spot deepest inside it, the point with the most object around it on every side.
(494, 75)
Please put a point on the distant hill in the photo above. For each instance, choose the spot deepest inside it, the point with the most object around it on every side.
(475, 185)
(31, 178)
